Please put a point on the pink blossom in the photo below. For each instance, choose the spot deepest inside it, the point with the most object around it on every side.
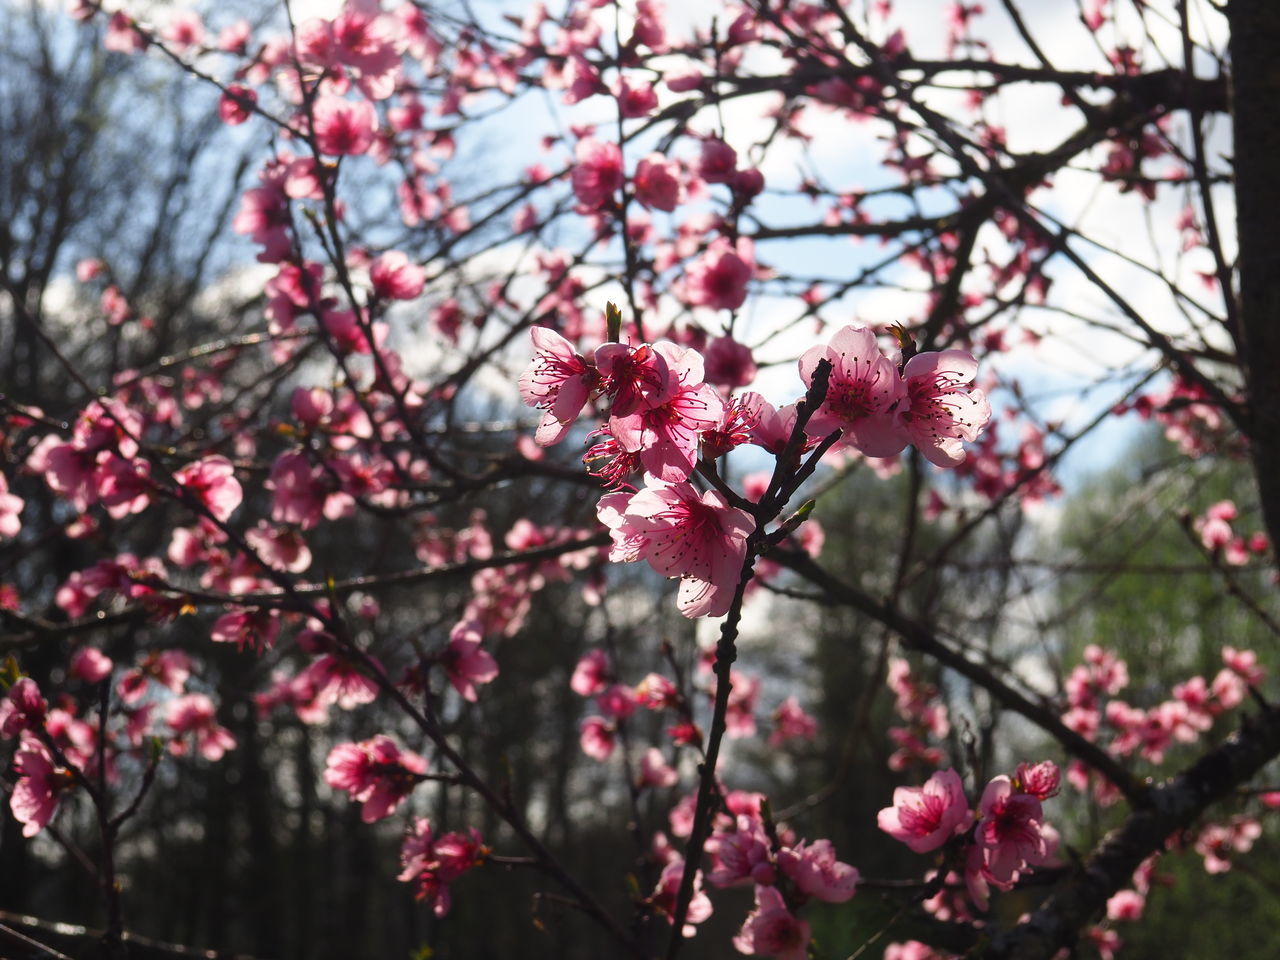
(666, 434)
(657, 182)
(299, 494)
(280, 548)
(817, 873)
(790, 722)
(862, 392)
(1228, 688)
(395, 278)
(924, 818)
(123, 35)
(742, 855)
(655, 771)
(194, 714)
(89, 268)
(592, 673)
(343, 127)
(637, 378)
(635, 101)
(1010, 830)
(597, 173)
(747, 184)
(464, 662)
(253, 627)
(91, 665)
(374, 772)
(169, 668)
(10, 510)
(1217, 842)
(911, 950)
(772, 930)
(770, 427)
(558, 380)
(212, 481)
(698, 538)
(1095, 12)
(663, 898)
(1106, 942)
(234, 38)
(235, 106)
(940, 410)
(740, 717)
(656, 692)
(124, 485)
(616, 701)
(718, 279)
(597, 738)
(23, 708)
(1245, 664)
(683, 82)
(1126, 905)
(728, 363)
(718, 161)
(335, 678)
(732, 431)
(183, 31)
(1041, 780)
(431, 863)
(35, 794)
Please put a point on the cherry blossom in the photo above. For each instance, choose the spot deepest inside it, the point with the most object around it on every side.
(23, 708)
(924, 818)
(433, 862)
(465, 663)
(597, 738)
(663, 898)
(742, 855)
(1010, 830)
(699, 538)
(816, 872)
(10, 510)
(940, 411)
(212, 481)
(40, 782)
(374, 772)
(395, 278)
(657, 183)
(666, 434)
(719, 278)
(558, 380)
(597, 173)
(771, 930)
(863, 390)
(343, 127)
(194, 714)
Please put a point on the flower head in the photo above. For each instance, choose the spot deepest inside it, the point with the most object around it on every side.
(558, 380)
(697, 537)
(924, 818)
(374, 772)
(862, 391)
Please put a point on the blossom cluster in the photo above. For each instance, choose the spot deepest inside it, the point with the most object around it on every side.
(1095, 710)
(1218, 537)
(58, 751)
(663, 416)
(432, 862)
(594, 676)
(1004, 838)
(919, 704)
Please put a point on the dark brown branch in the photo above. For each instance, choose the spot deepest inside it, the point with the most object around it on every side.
(1174, 806)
